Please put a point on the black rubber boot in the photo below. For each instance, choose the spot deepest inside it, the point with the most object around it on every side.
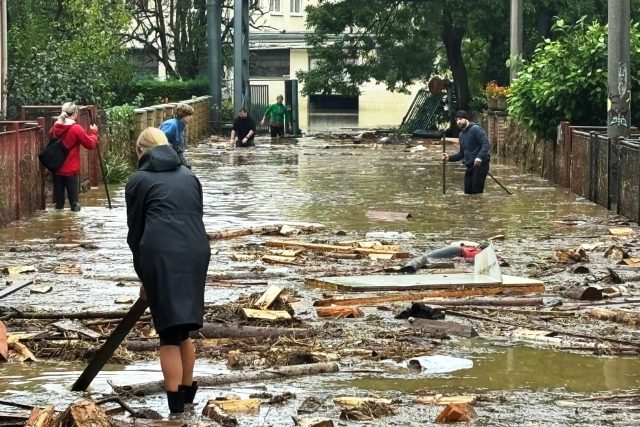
(189, 391)
(176, 401)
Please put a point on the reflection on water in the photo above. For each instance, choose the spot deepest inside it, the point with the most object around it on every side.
(514, 368)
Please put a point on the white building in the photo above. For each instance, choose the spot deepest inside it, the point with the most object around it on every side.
(279, 51)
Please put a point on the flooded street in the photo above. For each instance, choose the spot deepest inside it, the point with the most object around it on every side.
(85, 258)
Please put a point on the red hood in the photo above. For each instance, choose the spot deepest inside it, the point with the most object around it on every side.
(57, 130)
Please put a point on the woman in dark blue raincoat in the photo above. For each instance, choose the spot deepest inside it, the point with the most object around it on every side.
(171, 256)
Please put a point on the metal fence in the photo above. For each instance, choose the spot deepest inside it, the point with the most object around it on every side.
(22, 190)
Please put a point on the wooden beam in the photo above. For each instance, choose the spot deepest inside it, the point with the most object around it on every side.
(318, 247)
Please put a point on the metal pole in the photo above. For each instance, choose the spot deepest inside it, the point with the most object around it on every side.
(619, 87)
(241, 89)
(516, 37)
(214, 49)
(295, 114)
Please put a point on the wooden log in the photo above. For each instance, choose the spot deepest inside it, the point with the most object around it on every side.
(630, 318)
(264, 229)
(318, 247)
(237, 377)
(214, 412)
(339, 312)
(41, 417)
(268, 297)
(416, 296)
(443, 327)
(583, 293)
(357, 402)
(251, 313)
(456, 413)
(22, 350)
(4, 346)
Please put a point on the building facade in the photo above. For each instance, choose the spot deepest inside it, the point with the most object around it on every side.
(278, 51)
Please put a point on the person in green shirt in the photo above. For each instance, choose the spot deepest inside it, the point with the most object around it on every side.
(275, 115)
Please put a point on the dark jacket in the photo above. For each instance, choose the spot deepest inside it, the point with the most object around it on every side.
(167, 238)
(473, 144)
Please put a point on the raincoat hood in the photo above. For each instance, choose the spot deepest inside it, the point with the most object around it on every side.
(159, 159)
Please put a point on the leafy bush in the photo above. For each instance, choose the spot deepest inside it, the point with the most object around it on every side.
(567, 79)
(119, 158)
(153, 91)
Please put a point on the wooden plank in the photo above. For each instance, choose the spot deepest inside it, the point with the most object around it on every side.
(414, 282)
(318, 247)
(251, 313)
(20, 269)
(15, 287)
(76, 327)
(41, 417)
(103, 355)
(275, 259)
(444, 327)
(268, 297)
(439, 399)
(416, 296)
(621, 231)
(237, 405)
(388, 215)
(456, 412)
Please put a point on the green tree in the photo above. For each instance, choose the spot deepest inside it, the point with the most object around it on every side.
(566, 79)
(66, 50)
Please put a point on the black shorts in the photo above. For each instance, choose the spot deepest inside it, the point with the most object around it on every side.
(277, 130)
(174, 335)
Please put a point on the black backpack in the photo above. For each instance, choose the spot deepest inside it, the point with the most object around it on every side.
(55, 153)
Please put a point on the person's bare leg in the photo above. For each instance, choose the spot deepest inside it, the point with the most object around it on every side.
(188, 359)
(171, 364)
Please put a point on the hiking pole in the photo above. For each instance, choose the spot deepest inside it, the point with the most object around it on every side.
(106, 188)
(498, 182)
(444, 165)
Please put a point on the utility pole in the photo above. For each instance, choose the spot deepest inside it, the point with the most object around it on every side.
(241, 88)
(516, 38)
(214, 63)
(619, 87)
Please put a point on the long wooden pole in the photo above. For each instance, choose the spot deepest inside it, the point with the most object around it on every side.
(444, 165)
(110, 345)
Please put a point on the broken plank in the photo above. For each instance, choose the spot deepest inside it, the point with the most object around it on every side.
(214, 412)
(41, 417)
(356, 402)
(21, 269)
(87, 414)
(237, 405)
(339, 312)
(416, 296)
(251, 313)
(444, 327)
(268, 297)
(312, 422)
(454, 412)
(620, 316)
(318, 247)
(25, 353)
(76, 327)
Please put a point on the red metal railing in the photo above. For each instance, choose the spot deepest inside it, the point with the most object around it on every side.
(22, 189)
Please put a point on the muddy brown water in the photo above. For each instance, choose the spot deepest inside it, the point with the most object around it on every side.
(333, 183)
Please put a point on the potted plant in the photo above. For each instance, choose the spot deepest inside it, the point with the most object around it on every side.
(496, 95)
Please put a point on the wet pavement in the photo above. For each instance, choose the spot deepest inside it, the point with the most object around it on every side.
(334, 183)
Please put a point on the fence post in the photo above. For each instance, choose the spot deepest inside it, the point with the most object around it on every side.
(43, 181)
(15, 128)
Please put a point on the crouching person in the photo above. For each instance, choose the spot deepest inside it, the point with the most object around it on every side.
(170, 255)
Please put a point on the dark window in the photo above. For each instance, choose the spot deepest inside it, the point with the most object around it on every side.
(269, 63)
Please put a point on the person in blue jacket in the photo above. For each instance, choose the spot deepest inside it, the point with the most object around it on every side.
(175, 130)
(474, 153)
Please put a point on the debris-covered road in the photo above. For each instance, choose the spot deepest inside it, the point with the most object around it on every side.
(283, 216)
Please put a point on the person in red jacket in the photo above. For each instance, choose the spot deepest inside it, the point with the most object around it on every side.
(73, 136)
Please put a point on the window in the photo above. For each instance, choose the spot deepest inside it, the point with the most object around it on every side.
(274, 6)
(296, 6)
(269, 63)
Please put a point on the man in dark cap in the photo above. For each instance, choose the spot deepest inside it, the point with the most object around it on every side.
(474, 153)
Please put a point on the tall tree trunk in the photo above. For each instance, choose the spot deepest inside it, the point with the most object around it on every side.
(452, 38)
